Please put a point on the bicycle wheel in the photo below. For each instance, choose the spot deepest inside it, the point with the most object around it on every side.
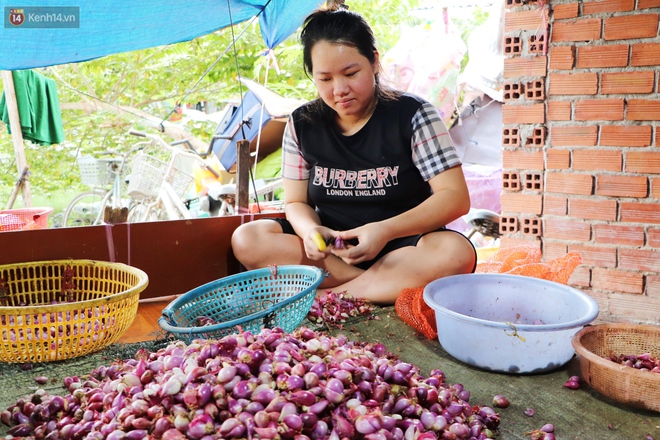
(143, 212)
(85, 209)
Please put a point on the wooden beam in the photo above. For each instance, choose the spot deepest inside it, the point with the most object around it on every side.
(242, 176)
(18, 186)
(16, 134)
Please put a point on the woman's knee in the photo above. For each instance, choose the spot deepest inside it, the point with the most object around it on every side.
(453, 251)
(246, 239)
(465, 256)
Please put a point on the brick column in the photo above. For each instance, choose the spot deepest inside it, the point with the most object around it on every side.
(524, 123)
(579, 144)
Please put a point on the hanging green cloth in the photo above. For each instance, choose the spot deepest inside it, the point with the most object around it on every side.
(38, 108)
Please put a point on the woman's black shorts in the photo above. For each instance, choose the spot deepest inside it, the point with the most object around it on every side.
(389, 247)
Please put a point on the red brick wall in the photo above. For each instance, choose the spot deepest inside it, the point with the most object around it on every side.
(581, 169)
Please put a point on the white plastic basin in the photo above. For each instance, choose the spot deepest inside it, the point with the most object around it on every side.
(508, 323)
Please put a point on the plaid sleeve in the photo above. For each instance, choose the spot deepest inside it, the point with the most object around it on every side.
(432, 148)
(294, 166)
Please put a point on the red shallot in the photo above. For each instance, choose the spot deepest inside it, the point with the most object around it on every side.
(546, 432)
(573, 383)
(500, 401)
(41, 380)
(202, 321)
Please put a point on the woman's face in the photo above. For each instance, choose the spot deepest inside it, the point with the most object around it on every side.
(344, 78)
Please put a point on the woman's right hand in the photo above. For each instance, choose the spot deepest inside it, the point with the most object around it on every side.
(315, 243)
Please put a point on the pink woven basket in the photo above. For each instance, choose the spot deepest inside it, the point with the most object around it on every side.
(24, 218)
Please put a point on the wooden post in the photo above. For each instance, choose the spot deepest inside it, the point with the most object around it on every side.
(242, 175)
(18, 186)
(16, 133)
(112, 216)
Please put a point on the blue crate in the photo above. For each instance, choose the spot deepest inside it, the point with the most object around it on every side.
(279, 296)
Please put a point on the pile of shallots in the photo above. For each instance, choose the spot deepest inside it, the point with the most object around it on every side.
(271, 385)
(643, 362)
(334, 308)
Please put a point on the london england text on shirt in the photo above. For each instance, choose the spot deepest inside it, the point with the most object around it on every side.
(372, 181)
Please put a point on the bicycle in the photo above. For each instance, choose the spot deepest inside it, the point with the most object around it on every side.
(159, 186)
(88, 208)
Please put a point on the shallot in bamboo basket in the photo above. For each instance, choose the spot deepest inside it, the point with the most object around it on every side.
(593, 346)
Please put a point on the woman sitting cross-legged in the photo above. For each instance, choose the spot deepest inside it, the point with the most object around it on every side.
(369, 165)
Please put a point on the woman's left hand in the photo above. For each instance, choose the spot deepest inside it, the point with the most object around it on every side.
(371, 238)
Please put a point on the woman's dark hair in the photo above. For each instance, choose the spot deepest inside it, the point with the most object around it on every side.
(338, 25)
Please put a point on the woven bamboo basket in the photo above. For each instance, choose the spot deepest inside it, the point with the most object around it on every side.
(61, 309)
(627, 385)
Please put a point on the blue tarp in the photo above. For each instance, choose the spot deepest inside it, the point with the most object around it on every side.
(34, 35)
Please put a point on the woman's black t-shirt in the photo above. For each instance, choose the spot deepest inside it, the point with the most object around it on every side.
(373, 174)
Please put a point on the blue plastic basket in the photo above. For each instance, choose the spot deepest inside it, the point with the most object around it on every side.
(279, 296)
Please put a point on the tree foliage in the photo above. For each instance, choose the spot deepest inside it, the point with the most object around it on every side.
(102, 98)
